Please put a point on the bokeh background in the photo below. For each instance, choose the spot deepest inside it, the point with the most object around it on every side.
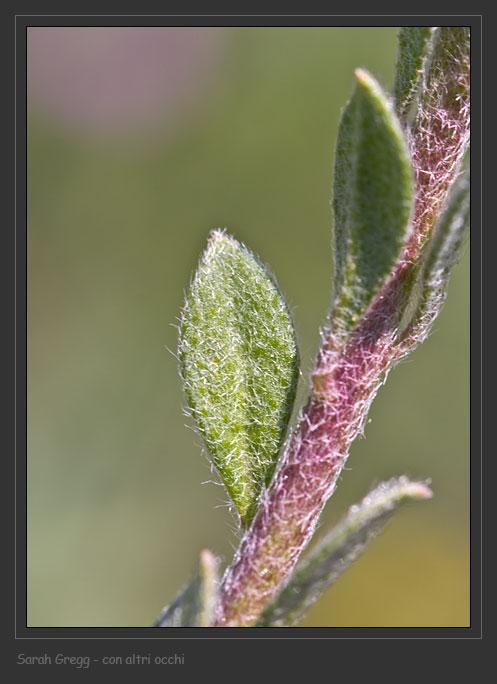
(140, 141)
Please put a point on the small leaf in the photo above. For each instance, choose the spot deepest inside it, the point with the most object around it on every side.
(194, 606)
(450, 234)
(239, 363)
(339, 548)
(373, 198)
(415, 50)
(442, 254)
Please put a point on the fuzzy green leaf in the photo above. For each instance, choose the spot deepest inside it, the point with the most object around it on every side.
(450, 234)
(239, 363)
(194, 606)
(372, 198)
(339, 548)
(415, 49)
(442, 254)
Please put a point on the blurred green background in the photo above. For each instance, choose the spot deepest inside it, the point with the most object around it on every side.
(138, 145)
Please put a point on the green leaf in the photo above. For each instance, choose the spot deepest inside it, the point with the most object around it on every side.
(450, 234)
(415, 49)
(239, 363)
(442, 254)
(372, 198)
(339, 548)
(194, 606)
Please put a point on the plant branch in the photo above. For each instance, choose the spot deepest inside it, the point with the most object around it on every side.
(357, 352)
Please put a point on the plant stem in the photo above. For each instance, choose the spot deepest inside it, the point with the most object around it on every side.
(350, 368)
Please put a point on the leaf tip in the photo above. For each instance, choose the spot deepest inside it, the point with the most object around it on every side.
(217, 237)
(414, 490)
(362, 76)
(366, 81)
(208, 560)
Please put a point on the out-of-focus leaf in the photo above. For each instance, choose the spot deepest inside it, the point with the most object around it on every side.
(194, 606)
(339, 548)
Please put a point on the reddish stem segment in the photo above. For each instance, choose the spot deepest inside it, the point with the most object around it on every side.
(439, 135)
